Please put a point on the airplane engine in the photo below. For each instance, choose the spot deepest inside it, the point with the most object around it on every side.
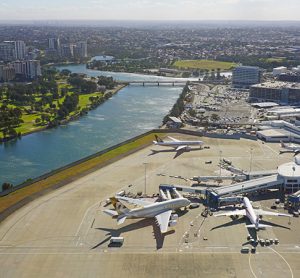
(188, 148)
(172, 223)
(174, 216)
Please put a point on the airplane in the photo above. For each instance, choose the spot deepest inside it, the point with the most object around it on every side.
(178, 145)
(290, 148)
(254, 215)
(162, 211)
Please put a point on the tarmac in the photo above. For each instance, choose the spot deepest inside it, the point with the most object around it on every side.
(66, 234)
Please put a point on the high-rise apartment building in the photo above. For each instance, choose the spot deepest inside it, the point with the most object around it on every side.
(20, 50)
(80, 49)
(54, 44)
(7, 51)
(29, 69)
(7, 73)
(67, 50)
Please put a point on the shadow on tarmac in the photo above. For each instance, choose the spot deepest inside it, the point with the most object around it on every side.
(252, 232)
(159, 237)
(178, 153)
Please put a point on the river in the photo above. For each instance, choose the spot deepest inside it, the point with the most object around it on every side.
(134, 110)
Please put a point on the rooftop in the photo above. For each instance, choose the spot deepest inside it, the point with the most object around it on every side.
(290, 169)
(277, 85)
(264, 104)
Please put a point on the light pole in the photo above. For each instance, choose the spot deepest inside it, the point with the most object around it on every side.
(145, 189)
(250, 161)
(220, 162)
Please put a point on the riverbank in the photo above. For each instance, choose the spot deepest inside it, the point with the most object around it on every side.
(35, 128)
(18, 196)
(132, 111)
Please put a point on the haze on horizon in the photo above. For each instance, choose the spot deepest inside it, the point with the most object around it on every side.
(150, 10)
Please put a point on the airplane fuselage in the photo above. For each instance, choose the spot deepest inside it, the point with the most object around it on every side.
(290, 147)
(181, 143)
(250, 213)
(156, 208)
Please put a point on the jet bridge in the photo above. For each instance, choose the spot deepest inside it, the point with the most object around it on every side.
(213, 195)
(175, 188)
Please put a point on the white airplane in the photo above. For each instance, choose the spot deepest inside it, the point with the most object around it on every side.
(253, 214)
(290, 148)
(162, 211)
(178, 145)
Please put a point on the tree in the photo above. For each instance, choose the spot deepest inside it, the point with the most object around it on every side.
(65, 72)
(6, 186)
(214, 117)
(38, 121)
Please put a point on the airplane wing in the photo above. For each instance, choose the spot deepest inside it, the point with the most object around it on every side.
(163, 220)
(136, 202)
(233, 212)
(265, 212)
(180, 148)
(173, 139)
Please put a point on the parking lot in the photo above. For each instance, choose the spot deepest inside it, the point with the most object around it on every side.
(229, 105)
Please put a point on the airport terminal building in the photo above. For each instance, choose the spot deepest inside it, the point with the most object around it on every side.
(276, 91)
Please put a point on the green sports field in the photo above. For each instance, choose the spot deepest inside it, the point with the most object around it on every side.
(203, 64)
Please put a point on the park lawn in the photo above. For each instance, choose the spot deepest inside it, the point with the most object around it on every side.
(28, 125)
(279, 60)
(67, 175)
(204, 64)
(84, 99)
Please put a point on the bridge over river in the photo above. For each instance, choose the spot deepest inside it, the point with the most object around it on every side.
(157, 82)
(169, 82)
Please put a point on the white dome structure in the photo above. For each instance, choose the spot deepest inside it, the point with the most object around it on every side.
(290, 173)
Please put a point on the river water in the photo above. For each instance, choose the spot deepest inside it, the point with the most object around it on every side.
(134, 110)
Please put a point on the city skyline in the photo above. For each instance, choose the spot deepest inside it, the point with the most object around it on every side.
(150, 10)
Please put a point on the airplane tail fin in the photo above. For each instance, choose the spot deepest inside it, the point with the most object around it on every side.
(121, 219)
(158, 139)
(119, 207)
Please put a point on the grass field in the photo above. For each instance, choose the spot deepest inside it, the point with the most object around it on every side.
(278, 60)
(71, 173)
(203, 64)
(29, 119)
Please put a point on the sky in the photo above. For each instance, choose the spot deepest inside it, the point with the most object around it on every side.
(150, 9)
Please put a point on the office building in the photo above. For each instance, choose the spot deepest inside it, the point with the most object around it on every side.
(245, 76)
(276, 91)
